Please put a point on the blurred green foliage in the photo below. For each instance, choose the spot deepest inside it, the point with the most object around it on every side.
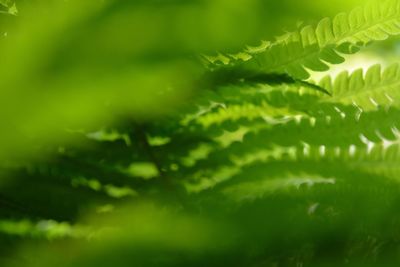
(184, 133)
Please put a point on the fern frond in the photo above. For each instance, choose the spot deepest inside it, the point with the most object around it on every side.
(265, 177)
(375, 88)
(337, 137)
(249, 104)
(230, 107)
(314, 47)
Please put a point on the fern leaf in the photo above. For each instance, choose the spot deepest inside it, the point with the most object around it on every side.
(375, 88)
(346, 139)
(315, 47)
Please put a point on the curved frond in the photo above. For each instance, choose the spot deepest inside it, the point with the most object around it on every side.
(367, 91)
(315, 47)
